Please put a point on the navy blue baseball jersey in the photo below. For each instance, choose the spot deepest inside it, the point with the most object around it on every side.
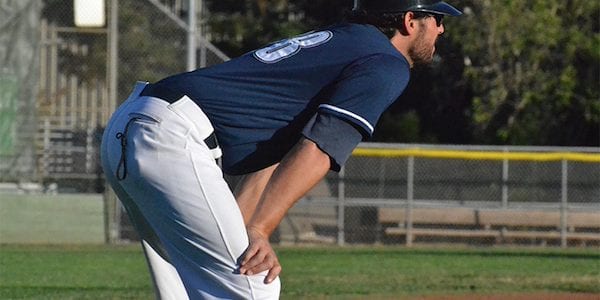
(330, 86)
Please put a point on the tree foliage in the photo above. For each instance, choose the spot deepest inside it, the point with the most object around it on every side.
(151, 45)
(240, 26)
(534, 68)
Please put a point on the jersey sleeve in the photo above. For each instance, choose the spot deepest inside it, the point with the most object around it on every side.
(334, 136)
(366, 89)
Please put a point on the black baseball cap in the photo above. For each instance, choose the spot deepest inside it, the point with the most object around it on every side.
(397, 6)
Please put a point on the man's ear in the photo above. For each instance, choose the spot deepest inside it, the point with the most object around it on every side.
(409, 24)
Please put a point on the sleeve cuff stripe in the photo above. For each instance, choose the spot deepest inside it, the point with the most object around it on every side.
(350, 114)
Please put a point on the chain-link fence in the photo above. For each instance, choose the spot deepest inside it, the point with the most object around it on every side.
(399, 194)
(19, 42)
(60, 83)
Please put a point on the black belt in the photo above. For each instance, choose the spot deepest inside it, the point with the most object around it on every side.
(168, 95)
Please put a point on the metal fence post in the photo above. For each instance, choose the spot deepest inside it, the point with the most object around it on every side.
(564, 204)
(341, 199)
(381, 179)
(89, 148)
(111, 219)
(505, 181)
(409, 199)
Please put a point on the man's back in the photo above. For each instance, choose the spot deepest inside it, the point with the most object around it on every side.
(259, 102)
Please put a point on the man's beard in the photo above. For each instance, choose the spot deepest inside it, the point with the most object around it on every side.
(421, 53)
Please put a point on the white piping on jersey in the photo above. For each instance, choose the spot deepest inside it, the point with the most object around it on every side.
(349, 113)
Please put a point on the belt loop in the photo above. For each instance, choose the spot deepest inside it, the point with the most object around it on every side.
(137, 89)
(216, 152)
(190, 111)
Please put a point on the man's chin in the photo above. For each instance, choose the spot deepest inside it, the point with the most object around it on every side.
(420, 62)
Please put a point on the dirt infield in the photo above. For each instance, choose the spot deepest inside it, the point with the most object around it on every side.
(536, 296)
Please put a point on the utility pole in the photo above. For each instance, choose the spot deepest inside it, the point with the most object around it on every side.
(191, 36)
(201, 32)
(111, 209)
(113, 54)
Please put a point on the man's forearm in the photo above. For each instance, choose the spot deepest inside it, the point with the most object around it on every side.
(299, 171)
(250, 189)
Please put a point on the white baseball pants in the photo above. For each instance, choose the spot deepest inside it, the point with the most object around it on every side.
(155, 158)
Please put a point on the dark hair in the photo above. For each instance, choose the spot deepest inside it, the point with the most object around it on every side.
(387, 23)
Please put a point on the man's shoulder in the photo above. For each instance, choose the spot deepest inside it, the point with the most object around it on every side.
(355, 27)
(362, 39)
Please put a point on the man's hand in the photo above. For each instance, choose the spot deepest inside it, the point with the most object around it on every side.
(260, 257)
(301, 168)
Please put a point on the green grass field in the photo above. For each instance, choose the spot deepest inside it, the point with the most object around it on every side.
(55, 219)
(119, 272)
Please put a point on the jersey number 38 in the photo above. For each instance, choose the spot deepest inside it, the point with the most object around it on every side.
(289, 47)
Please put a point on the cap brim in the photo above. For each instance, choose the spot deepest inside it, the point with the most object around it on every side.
(442, 8)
